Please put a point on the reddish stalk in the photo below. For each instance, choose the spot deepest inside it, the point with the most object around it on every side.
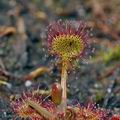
(64, 76)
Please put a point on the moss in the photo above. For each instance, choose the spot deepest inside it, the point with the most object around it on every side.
(112, 55)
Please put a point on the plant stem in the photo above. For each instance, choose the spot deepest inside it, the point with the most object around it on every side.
(64, 76)
(4, 83)
(40, 109)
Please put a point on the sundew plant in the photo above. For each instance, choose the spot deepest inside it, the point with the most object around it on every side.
(67, 40)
